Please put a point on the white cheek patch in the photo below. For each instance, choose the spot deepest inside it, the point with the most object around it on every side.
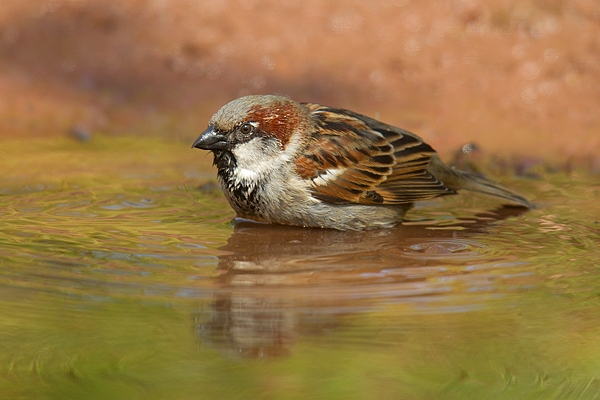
(256, 159)
(293, 146)
(328, 176)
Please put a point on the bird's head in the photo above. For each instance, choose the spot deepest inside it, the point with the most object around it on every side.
(260, 124)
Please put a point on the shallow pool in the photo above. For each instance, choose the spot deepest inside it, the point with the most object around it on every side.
(122, 276)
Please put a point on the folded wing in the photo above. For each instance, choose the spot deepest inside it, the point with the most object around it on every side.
(355, 159)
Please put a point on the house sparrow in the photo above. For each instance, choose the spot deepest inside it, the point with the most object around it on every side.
(310, 165)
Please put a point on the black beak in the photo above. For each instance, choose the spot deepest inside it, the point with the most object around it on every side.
(211, 140)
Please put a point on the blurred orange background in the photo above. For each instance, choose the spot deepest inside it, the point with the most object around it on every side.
(514, 77)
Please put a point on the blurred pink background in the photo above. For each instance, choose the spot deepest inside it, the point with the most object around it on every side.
(514, 77)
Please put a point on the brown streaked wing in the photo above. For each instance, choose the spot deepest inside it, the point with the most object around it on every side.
(410, 180)
(355, 159)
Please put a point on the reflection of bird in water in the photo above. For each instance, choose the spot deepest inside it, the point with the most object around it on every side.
(278, 280)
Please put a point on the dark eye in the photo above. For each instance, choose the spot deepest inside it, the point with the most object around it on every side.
(246, 128)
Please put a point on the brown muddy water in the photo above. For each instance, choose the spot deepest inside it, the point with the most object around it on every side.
(122, 276)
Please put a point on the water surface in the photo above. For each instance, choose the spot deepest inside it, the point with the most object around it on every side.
(122, 276)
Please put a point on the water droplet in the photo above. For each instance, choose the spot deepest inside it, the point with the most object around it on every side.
(345, 22)
(529, 95)
(519, 51)
(269, 62)
(257, 81)
(377, 77)
(412, 23)
(550, 55)
(530, 70)
(467, 148)
(412, 47)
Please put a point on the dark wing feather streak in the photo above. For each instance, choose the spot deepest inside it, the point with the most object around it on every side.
(356, 159)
